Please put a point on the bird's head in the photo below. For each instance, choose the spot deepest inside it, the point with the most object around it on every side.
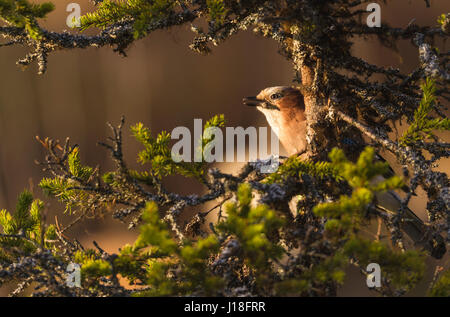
(280, 105)
(277, 101)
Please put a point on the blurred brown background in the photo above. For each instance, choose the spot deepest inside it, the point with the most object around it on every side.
(162, 84)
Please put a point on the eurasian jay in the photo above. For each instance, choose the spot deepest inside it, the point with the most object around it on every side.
(284, 109)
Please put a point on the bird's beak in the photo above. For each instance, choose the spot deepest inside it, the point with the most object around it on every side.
(252, 101)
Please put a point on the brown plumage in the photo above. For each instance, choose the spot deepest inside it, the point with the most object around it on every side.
(284, 109)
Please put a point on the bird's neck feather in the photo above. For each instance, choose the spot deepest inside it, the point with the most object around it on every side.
(290, 128)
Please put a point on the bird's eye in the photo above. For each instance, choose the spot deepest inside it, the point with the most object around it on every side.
(276, 96)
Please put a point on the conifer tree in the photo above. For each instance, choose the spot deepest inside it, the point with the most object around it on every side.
(251, 250)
